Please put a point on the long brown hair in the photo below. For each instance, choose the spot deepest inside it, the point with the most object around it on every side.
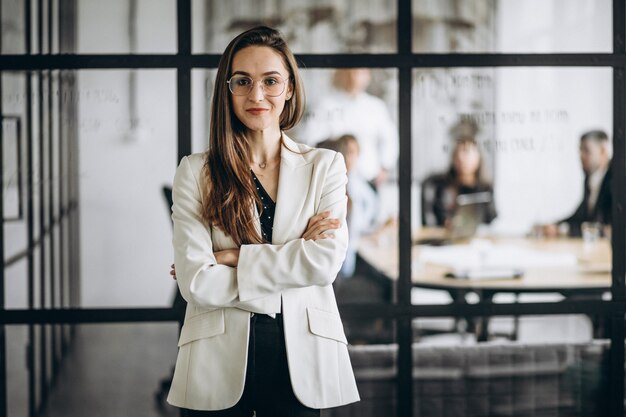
(228, 191)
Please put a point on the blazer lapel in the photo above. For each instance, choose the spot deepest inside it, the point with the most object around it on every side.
(293, 185)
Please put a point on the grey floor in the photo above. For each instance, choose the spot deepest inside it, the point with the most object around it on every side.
(114, 370)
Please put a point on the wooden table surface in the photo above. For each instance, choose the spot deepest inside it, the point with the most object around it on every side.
(591, 268)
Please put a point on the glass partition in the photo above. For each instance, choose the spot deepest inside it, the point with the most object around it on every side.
(505, 26)
(126, 26)
(500, 181)
(202, 86)
(16, 356)
(127, 141)
(545, 371)
(527, 124)
(12, 27)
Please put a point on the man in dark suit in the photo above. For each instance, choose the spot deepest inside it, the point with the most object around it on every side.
(597, 199)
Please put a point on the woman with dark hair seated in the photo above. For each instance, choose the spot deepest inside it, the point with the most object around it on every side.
(440, 193)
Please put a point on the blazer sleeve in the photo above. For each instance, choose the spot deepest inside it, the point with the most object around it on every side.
(265, 269)
(202, 281)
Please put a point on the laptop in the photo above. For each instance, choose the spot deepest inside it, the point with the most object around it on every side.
(465, 220)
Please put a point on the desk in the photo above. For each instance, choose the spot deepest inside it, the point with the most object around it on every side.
(590, 272)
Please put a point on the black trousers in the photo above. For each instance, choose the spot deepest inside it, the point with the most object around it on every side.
(267, 388)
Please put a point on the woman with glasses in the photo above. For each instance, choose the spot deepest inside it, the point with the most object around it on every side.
(259, 236)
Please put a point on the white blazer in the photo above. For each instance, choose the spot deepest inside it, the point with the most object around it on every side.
(290, 272)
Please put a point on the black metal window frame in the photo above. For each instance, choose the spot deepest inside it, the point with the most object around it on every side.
(405, 61)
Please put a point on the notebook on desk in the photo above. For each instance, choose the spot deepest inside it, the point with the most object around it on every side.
(465, 220)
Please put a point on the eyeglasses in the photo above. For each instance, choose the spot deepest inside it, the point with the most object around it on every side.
(241, 85)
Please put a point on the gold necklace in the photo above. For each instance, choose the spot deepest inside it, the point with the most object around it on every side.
(263, 164)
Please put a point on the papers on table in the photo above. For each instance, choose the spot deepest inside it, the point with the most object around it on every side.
(485, 255)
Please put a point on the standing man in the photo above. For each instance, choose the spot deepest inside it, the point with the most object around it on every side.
(350, 109)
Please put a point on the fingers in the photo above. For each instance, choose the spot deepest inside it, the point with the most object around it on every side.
(324, 225)
(317, 218)
(318, 228)
(173, 271)
(322, 236)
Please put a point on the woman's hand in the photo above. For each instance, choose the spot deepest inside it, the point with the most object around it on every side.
(319, 225)
(228, 257)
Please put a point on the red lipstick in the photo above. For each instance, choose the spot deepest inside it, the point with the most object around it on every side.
(256, 110)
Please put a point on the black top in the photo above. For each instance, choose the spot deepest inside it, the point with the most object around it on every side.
(600, 213)
(267, 211)
(439, 194)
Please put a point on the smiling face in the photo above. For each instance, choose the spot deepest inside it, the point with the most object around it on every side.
(256, 110)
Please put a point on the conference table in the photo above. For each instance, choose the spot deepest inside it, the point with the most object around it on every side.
(564, 265)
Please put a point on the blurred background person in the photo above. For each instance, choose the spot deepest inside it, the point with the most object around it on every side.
(595, 159)
(362, 199)
(350, 109)
(355, 284)
(440, 191)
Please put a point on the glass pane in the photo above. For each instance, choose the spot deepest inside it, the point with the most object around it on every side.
(498, 174)
(521, 119)
(346, 26)
(16, 285)
(14, 161)
(122, 26)
(17, 381)
(494, 26)
(12, 12)
(12, 167)
(325, 118)
(458, 377)
(511, 378)
(353, 111)
(126, 132)
(202, 85)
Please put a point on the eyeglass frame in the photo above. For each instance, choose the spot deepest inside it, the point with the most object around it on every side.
(284, 83)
